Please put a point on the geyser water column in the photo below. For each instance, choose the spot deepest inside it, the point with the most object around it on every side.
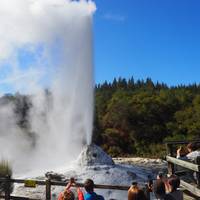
(46, 44)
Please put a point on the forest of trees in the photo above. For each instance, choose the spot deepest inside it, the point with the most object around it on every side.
(136, 117)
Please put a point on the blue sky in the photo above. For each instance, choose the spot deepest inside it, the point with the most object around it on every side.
(159, 39)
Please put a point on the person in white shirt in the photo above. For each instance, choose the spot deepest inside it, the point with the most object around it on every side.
(193, 151)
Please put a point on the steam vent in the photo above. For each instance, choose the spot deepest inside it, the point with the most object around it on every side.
(94, 155)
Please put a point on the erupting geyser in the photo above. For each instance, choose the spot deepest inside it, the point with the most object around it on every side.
(46, 44)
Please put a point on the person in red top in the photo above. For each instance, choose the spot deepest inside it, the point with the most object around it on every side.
(67, 194)
(80, 194)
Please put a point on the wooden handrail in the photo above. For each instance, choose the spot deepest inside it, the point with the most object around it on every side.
(64, 183)
(172, 161)
(183, 163)
(48, 183)
(191, 188)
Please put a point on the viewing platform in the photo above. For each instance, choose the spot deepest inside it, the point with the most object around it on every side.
(191, 189)
(174, 164)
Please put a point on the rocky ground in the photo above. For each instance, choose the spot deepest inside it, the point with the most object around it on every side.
(156, 165)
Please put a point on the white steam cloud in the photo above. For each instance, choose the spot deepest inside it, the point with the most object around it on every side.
(46, 44)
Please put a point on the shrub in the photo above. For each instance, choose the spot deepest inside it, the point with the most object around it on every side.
(150, 150)
(5, 171)
(114, 151)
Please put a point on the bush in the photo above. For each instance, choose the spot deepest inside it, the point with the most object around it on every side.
(150, 150)
(5, 171)
(114, 151)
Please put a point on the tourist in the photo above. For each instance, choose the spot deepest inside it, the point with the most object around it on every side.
(135, 193)
(159, 189)
(181, 153)
(68, 194)
(150, 184)
(193, 151)
(175, 193)
(133, 190)
(190, 154)
(90, 194)
(162, 178)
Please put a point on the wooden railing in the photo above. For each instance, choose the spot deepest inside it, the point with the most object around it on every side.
(47, 183)
(187, 165)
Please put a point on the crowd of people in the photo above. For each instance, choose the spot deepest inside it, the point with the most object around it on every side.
(163, 188)
(89, 194)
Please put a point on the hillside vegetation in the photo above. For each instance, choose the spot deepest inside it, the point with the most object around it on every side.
(136, 117)
(132, 117)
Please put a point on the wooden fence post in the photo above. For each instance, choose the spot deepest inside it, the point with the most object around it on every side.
(197, 161)
(170, 168)
(7, 187)
(170, 153)
(48, 188)
(169, 148)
